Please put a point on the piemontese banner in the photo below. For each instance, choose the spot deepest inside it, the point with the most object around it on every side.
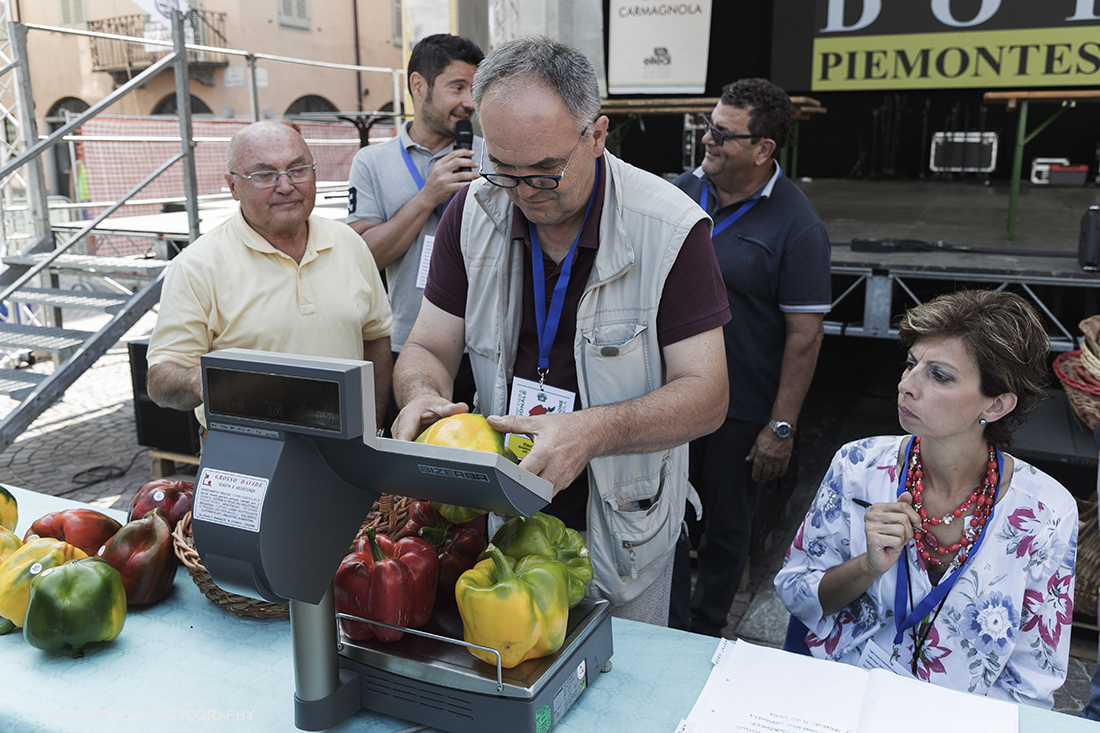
(658, 46)
(843, 45)
(1029, 58)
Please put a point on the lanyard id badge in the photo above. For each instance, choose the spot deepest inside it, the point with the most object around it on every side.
(531, 399)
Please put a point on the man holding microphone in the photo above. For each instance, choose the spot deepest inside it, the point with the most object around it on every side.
(398, 190)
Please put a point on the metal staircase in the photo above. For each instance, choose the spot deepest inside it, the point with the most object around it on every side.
(32, 320)
(73, 351)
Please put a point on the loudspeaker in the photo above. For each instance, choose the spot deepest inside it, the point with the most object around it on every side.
(1088, 245)
(159, 427)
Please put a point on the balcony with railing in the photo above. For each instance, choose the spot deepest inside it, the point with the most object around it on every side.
(122, 60)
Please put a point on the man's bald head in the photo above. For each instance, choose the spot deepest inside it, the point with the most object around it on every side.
(277, 211)
(264, 134)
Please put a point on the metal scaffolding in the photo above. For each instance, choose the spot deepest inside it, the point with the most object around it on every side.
(9, 111)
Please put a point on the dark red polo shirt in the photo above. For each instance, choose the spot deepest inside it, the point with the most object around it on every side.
(693, 302)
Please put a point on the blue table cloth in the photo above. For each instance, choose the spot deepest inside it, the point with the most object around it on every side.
(185, 664)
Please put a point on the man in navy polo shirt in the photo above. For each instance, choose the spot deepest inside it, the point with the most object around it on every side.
(774, 255)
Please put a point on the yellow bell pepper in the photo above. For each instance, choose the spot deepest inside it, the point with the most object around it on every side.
(9, 543)
(20, 569)
(520, 608)
(9, 510)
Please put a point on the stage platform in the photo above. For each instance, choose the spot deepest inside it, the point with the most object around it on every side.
(872, 288)
(963, 225)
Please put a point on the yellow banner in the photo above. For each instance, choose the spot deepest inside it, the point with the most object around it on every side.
(1033, 57)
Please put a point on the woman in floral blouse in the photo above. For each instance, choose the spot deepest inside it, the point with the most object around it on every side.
(935, 554)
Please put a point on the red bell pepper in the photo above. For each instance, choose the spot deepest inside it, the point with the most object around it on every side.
(143, 554)
(172, 497)
(423, 514)
(387, 581)
(84, 528)
(459, 553)
(459, 545)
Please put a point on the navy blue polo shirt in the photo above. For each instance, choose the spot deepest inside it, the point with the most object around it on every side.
(774, 260)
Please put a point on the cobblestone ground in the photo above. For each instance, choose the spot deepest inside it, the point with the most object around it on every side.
(88, 433)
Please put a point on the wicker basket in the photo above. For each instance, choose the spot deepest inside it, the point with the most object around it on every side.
(388, 516)
(240, 605)
(1085, 594)
(1082, 386)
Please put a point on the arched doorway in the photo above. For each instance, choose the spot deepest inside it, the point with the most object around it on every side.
(167, 107)
(310, 104)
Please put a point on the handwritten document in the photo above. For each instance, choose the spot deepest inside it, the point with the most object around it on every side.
(755, 689)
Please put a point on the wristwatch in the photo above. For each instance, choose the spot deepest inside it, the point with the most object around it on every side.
(780, 428)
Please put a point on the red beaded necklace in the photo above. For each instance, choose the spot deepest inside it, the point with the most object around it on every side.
(981, 499)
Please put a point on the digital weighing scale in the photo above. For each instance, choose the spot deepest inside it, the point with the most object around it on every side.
(291, 467)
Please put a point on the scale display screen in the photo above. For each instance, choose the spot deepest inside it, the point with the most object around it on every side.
(274, 398)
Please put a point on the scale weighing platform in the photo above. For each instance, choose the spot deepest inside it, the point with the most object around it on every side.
(291, 467)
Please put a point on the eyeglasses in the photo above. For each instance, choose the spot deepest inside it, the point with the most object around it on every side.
(722, 137)
(544, 182)
(270, 179)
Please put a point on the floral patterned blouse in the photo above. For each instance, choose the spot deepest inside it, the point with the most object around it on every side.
(1003, 629)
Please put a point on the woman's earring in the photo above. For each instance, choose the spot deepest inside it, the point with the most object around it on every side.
(981, 422)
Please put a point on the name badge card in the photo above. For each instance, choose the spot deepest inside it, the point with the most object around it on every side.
(875, 657)
(528, 399)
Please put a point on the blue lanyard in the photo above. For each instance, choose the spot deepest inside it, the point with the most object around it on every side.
(419, 180)
(725, 223)
(547, 323)
(729, 220)
(933, 599)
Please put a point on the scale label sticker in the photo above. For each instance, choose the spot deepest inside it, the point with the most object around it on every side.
(230, 499)
(542, 719)
(453, 473)
(569, 693)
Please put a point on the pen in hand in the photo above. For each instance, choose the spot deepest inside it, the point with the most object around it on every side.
(867, 505)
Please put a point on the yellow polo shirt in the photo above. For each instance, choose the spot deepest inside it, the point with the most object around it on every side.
(231, 289)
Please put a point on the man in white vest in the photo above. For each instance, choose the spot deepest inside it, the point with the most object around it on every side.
(588, 290)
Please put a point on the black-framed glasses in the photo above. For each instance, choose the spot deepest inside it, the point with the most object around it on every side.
(270, 179)
(543, 182)
(722, 137)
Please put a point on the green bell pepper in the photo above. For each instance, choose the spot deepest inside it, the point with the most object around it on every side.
(548, 537)
(76, 603)
(518, 608)
(458, 514)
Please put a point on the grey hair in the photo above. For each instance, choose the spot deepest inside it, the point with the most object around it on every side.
(558, 65)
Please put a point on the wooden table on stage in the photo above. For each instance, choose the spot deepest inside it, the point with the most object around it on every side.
(804, 108)
(1020, 100)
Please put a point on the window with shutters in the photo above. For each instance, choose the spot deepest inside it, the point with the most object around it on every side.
(72, 14)
(397, 21)
(293, 13)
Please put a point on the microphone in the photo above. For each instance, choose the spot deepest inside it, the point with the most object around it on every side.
(464, 138)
